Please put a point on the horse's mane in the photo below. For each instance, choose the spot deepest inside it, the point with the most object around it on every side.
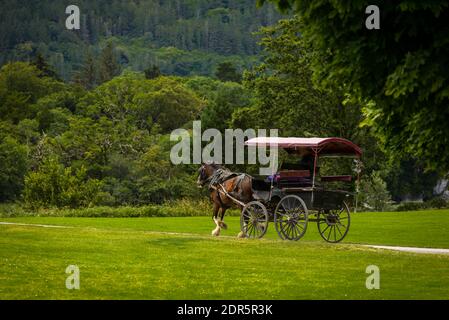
(215, 165)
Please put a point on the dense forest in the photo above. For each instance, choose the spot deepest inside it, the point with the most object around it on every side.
(181, 37)
(86, 116)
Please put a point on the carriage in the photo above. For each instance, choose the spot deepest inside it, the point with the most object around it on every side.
(295, 196)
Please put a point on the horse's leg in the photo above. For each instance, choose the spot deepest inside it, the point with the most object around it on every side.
(221, 222)
(216, 231)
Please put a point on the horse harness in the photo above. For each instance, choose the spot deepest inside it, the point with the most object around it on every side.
(222, 175)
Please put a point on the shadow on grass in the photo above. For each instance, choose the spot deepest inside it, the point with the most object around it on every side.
(175, 242)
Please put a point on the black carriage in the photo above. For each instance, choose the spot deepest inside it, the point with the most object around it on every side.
(294, 196)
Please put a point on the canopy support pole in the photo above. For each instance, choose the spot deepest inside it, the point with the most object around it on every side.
(315, 151)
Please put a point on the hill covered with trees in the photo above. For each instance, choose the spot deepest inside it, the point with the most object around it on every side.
(181, 37)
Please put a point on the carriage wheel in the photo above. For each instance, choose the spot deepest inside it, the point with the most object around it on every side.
(254, 220)
(291, 217)
(333, 225)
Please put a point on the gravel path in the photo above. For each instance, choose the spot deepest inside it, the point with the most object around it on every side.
(412, 249)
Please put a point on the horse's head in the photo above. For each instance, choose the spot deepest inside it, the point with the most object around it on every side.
(205, 173)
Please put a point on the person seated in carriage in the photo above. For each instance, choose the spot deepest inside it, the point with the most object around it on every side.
(298, 173)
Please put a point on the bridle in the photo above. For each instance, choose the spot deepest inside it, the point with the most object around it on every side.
(202, 177)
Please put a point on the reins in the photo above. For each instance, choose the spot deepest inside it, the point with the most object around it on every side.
(219, 177)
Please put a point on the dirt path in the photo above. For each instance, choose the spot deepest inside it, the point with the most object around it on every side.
(33, 225)
(411, 249)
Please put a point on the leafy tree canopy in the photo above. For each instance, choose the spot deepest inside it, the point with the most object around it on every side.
(21, 85)
(227, 72)
(401, 69)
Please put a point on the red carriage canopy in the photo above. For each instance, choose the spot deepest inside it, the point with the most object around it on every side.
(323, 146)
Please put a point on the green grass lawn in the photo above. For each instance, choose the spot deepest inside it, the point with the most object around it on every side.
(133, 258)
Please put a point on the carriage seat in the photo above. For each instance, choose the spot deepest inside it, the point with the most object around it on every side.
(294, 178)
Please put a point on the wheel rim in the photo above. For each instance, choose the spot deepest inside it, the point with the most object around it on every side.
(333, 225)
(291, 217)
(254, 220)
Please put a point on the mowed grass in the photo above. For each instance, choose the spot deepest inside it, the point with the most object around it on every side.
(176, 258)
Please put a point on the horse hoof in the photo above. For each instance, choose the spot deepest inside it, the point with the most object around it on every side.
(216, 232)
(241, 235)
(223, 225)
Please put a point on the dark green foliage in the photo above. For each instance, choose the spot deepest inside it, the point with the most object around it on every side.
(52, 185)
(106, 146)
(44, 67)
(287, 98)
(215, 29)
(152, 72)
(408, 179)
(403, 68)
(179, 208)
(222, 100)
(438, 203)
(88, 75)
(374, 195)
(13, 167)
(227, 72)
(109, 66)
(435, 203)
(21, 85)
(411, 206)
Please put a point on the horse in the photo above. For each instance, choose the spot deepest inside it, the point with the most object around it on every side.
(238, 186)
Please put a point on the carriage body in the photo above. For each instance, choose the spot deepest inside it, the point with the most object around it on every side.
(295, 197)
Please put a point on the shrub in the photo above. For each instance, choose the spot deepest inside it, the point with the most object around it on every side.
(437, 203)
(55, 186)
(180, 208)
(11, 210)
(374, 194)
(411, 206)
(13, 167)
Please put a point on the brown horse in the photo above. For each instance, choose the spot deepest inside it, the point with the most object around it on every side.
(237, 185)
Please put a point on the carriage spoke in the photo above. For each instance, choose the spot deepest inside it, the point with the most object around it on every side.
(246, 215)
(328, 226)
(287, 230)
(249, 228)
(329, 234)
(284, 228)
(298, 231)
(294, 232)
(341, 234)
(290, 231)
(253, 229)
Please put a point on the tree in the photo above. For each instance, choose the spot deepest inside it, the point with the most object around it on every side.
(13, 167)
(87, 76)
(401, 70)
(21, 86)
(407, 180)
(374, 194)
(164, 102)
(227, 72)
(44, 67)
(152, 72)
(109, 66)
(227, 97)
(286, 97)
(52, 185)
